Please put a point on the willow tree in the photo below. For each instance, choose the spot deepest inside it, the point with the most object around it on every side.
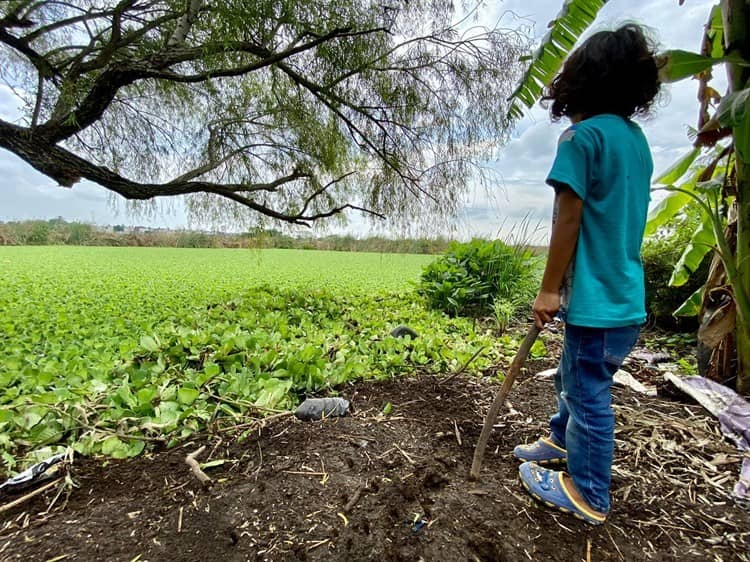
(291, 110)
(714, 176)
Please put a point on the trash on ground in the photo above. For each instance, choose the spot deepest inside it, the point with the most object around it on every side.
(733, 413)
(320, 408)
(548, 373)
(623, 378)
(36, 474)
(418, 523)
(400, 331)
(650, 357)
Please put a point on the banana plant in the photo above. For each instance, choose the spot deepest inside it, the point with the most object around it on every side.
(717, 168)
(706, 189)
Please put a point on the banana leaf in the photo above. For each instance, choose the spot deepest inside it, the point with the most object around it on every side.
(575, 17)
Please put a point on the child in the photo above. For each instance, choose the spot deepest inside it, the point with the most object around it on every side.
(594, 276)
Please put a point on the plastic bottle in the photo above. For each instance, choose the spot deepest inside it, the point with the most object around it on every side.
(320, 408)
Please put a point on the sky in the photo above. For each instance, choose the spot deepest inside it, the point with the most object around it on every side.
(519, 206)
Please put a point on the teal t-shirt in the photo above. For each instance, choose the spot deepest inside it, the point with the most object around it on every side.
(607, 162)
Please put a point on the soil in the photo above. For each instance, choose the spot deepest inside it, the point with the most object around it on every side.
(395, 487)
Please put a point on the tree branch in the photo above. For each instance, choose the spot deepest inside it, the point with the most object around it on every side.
(65, 124)
(114, 38)
(297, 218)
(176, 54)
(130, 38)
(186, 179)
(67, 169)
(108, 49)
(120, 74)
(38, 32)
(185, 23)
(320, 191)
(340, 209)
(43, 66)
(39, 99)
(321, 94)
(14, 18)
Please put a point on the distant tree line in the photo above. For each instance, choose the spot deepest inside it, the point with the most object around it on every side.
(61, 232)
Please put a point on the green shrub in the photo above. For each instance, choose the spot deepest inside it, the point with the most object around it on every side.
(192, 239)
(79, 233)
(38, 233)
(504, 312)
(660, 253)
(481, 278)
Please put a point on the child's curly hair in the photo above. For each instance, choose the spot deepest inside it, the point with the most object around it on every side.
(611, 72)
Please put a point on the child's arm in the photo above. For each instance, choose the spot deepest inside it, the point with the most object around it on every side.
(562, 246)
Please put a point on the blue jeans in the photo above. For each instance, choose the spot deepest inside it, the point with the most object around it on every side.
(585, 422)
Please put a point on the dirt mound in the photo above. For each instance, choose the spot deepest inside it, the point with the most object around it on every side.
(395, 487)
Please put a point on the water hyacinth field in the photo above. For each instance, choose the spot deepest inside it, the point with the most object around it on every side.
(111, 349)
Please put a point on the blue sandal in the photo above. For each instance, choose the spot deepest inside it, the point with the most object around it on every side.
(543, 451)
(547, 487)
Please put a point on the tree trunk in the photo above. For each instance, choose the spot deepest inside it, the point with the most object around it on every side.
(736, 14)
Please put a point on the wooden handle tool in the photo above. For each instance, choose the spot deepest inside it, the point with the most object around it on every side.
(489, 420)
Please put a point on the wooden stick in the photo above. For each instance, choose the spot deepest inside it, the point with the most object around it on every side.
(463, 367)
(30, 495)
(202, 477)
(489, 420)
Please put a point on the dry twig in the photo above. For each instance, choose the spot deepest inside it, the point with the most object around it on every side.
(463, 368)
(30, 495)
(195, 468)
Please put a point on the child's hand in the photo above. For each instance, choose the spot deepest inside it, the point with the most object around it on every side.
(545, 307)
